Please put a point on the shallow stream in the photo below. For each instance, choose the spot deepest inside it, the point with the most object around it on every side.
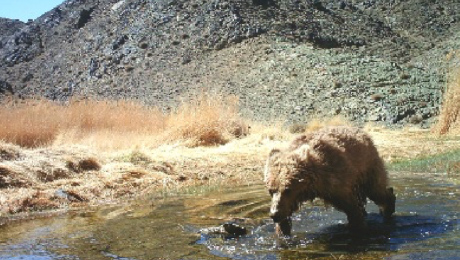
(425, 226)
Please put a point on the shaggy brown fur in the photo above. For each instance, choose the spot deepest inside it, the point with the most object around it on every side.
(337, 164)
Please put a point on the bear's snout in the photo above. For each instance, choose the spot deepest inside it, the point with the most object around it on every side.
(275, 212)
(276, 217)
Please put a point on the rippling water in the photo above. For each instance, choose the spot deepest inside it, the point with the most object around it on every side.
(425, 226)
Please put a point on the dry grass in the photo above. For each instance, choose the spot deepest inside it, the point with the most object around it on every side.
(88, 164)
(108, 151)
(409, 142)
(39, 123)
(207, 120)
(449, 119)
(10, 178)
(30, 124)
(316, 123)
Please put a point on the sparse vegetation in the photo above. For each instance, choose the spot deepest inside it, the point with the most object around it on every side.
(316, 123)
(89, 164)
(137, 157)
(297, 128)
(448, 162)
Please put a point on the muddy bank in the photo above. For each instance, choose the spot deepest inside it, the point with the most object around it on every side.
(48, 178)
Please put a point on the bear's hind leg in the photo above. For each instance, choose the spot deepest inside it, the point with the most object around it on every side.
(355, 211)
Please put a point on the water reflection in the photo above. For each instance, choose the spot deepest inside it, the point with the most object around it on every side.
(426, 225)
(426, 215)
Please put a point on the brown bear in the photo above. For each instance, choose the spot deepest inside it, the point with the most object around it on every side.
(337, 164)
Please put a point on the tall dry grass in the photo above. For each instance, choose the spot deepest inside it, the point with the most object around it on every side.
(449, 118)
(27, 124)
(34, 123)
(206, 120)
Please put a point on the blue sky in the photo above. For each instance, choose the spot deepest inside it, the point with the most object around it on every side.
(26, 9)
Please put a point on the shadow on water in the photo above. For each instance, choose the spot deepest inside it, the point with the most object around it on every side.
(425, 226)
(336, 240)
(426, 221)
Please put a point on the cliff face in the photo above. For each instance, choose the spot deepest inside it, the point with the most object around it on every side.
(369, 60)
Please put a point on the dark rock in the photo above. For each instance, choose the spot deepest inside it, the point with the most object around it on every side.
(186, 60)
(93, 66)
(264, 3)
(27, 77)
(22, 46)
(143, 45)
(235, 229)
(406, 113)
(119, 42)
(9, 27)
(5, 88)
(85, 17)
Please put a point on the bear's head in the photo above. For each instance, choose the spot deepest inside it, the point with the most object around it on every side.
(389, 206)
(284, 179)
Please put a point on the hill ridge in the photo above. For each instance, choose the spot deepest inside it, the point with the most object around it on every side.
(290, 59)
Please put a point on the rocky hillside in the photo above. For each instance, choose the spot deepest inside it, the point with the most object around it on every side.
(8, 26)
(285, 59)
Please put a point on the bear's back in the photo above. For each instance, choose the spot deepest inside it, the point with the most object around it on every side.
(340, 146)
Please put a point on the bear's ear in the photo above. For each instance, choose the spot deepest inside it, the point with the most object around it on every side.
(301, 153)
(270, 160)
(273, 152)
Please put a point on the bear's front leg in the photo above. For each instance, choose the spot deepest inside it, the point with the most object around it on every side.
(283, 228)
(356, 219)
